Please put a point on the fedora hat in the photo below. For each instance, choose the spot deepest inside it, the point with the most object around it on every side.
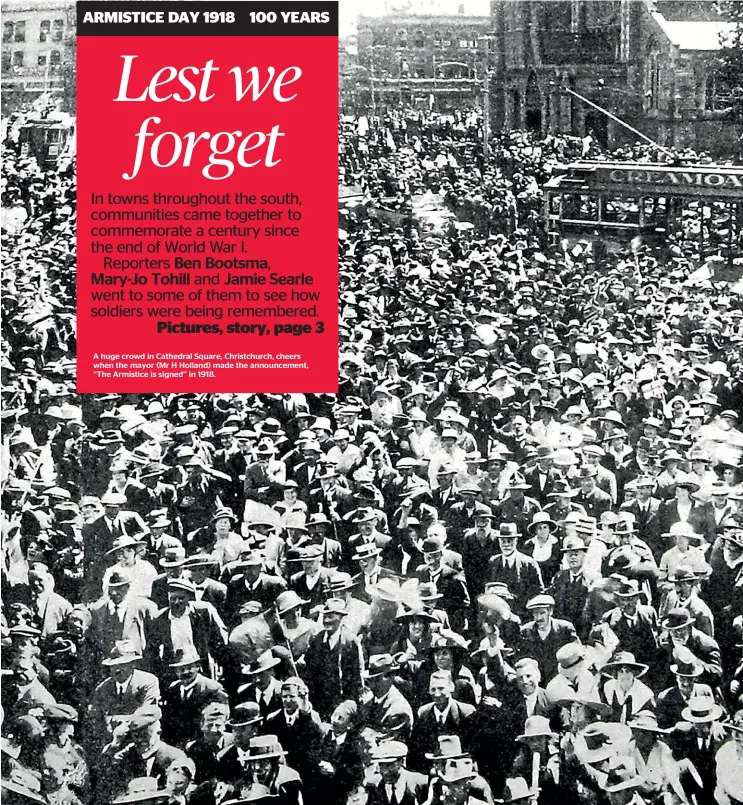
(113, 499)
(154, 470)
(628, 588)
(184, 657)
(123, 651)
(517, 481)
(340, 582)
(223, 512)
(145, 716)
(60, 712)
(624, 659)
(561, 488)
(142, 789)
(387, 751)
(590, 700)
(536, 727)
(573, 544)
(701, 710)
(265, 662)
(380, 665)
(600, 741)
(118, 579)
(508, 531)
(182, 585)
(265, 746)
(334, 606)
(456, 769)
(173, 557)
(200, 560)
(245, 713)
(288, 600)
(647, 721)
(540, 601)
(677, 618)
(570, 655)
(449, 747)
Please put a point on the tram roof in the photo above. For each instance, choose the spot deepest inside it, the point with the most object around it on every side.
(714, 182)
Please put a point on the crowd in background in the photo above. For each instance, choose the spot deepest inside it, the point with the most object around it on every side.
(504, 562)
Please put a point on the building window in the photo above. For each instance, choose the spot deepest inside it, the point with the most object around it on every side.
(7, 59)
(41, 61)
(55, 58)
(652, 80)
(18, 58)
(19, 31)
(58, 30)
(45, 29)
(7, 32)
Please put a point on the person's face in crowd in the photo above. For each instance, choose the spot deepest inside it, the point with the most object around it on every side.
(290, 699)
(416, 629)
(198, 573)
(643, 492)
(445, 481)
(680, 637)
(719, 501)
(368, 565)
(120, 673)
(448, 444)
(456, 793)
(55, 772)
(340, 720)
(587, 485)
(77, 625)
(482, 524)
(625, 678)
(389, 770)
(698, 467)
(117, 593)
(38, 582)
(379, 685)
(245, 445)
(331, 621)
(440, 691)
(627, 604)
(119, 478)
(290, 495)
(516, 495)
(243, 733)
(728, 476)
(251, 573)
(574, 560)
(177, 780)
(366, 528)
(263, 679)
(507, 545)
(310, 457)
(731, 552)
(542, 532)
(495, 468)
(432, 560)
(527, 680)
(443, 658)
(684, 589)
(187, 674)
(682, 494)
(311, 567)
(126, 557)
(328, 484)
(178, 602)
(262, 769)
(542, 617)
(90, 511)
(213, 727)
(145, 737)
(112, 511)
(222, 526)
(226, 440)
(341, 444)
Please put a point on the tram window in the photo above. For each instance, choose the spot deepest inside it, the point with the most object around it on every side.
(655, 209)
(621, 211)
(554, 206)
(580, 208)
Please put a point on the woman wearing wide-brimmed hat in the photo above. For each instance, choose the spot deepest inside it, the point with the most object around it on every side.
(449, 651)
(624, 692)
(412, 647)
(543, 545)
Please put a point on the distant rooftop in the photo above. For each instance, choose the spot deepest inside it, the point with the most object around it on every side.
(694, 34)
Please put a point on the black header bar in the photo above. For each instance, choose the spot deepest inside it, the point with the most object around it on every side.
(207, 18)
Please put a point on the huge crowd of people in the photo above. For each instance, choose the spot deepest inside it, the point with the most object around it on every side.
(504, 562)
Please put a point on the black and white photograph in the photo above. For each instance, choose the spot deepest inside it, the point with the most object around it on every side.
(503, 562)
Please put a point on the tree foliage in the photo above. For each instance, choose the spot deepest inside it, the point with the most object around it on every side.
(730, 62)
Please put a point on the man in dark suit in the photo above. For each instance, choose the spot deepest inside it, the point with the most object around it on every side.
(698, 744)
(523, 699)
(125, 690)
(634, 624)
(443, 716)
(388, 711)
(460, 517)
(396, 784)
(673, 700)
(593, 499)
(252, 583)
(184, 621)
(312, 582)
(207, 589)
(171, 562)
(184, 699)
(450, 583)
(367, 555)
(232, 761)
(320, 530)
(334, 500)
(517, 508)
(263, 687)
(333, 661)
(520, 573)
(541, 476)
(213, 738)
(569, 587)
(299, 731)
(542, 637)
(687, 640)
(645, 508)
(136, 751)
(307, 473)
(262, 483)
(446, 493)
(117, 616)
